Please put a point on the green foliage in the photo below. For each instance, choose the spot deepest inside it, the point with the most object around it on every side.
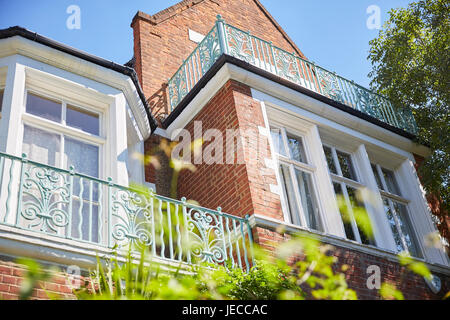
(33, 276)
(389, 292)
(272, 277)
(411, 61)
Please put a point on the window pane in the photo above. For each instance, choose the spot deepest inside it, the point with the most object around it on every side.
(330, 161)
(44, 108)
(289, 191)
(1, 100)
(41, 146)
(278, 141)
(345, 161)
(296, 148)
(83, 156)
(309, 205)
(82, 119)
(344, 213)
(355, 202)
(395, 233)
(377, 177)
(390, 181)
(405, 224)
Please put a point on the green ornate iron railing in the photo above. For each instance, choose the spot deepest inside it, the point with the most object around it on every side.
(65, 204)
(226, 39)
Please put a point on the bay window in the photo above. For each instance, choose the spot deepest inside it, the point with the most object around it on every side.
(60, 134)
(346, 185)
(396, 211)
(296, 175)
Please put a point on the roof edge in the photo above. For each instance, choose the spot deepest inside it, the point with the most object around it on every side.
(130, 72)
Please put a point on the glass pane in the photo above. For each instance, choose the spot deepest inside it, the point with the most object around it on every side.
(278, 141)
(355, 202)
(82, 119)
(390, 181)
(345, 161)
(1, 100)
(405, 224)
(44, 108)
(395, 233)
(296, 148)
(377, 177)
(344, 213)
(330, 161)
(83, 156)
(41, 146)
(309, 205)
(289, 192)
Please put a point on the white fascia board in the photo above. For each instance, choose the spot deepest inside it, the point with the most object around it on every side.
(61, 60)
(317, 111)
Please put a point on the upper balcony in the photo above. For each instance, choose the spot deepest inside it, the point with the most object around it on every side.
(225, 39)
(52, 205)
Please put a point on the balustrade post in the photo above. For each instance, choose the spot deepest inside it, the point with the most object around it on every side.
(109, 215)
(186, 231)
(273, 57)
(222, 34)
(250, 238)
(23, 161)
(69, 210)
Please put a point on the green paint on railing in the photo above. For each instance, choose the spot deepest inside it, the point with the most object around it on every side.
(227, 39)
(44, 197)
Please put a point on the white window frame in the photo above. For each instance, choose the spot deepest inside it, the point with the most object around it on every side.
(390, 197)
(63, 130)
(303, 167)
(293, 110)
(338, 177)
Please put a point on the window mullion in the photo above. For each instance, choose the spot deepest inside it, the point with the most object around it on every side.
(350, 212)
(297, 196)
(285, 143)
(383, 181)
(336, 161)
(397, 224)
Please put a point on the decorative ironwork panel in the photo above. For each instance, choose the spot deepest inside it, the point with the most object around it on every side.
(239, 44)
(45, 199)
(329, 85)
(366, 102)
(286, 64)
(209, 50)
(132, 216)
(178, 87)
(206, 236)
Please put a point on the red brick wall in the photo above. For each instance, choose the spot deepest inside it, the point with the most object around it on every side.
(436, 206)
(410, 284)
(11, 277)
(161, 42)
(239, 189)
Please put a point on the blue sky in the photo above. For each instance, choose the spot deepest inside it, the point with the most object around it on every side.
(332, 33)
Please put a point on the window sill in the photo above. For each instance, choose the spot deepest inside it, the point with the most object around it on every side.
(274, 225)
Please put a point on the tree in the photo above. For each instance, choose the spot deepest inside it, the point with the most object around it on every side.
(410, 59)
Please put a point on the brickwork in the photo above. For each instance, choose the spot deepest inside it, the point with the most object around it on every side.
(239, 188)
(11, 277)
(161, 42)
(410, 284)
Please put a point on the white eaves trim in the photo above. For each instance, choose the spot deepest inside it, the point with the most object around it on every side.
(21, 46)
(320, 112)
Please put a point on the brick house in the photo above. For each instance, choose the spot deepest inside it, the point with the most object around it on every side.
(283, 139)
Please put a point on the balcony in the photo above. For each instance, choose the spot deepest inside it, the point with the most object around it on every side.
(63, 204)
(231, 41)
